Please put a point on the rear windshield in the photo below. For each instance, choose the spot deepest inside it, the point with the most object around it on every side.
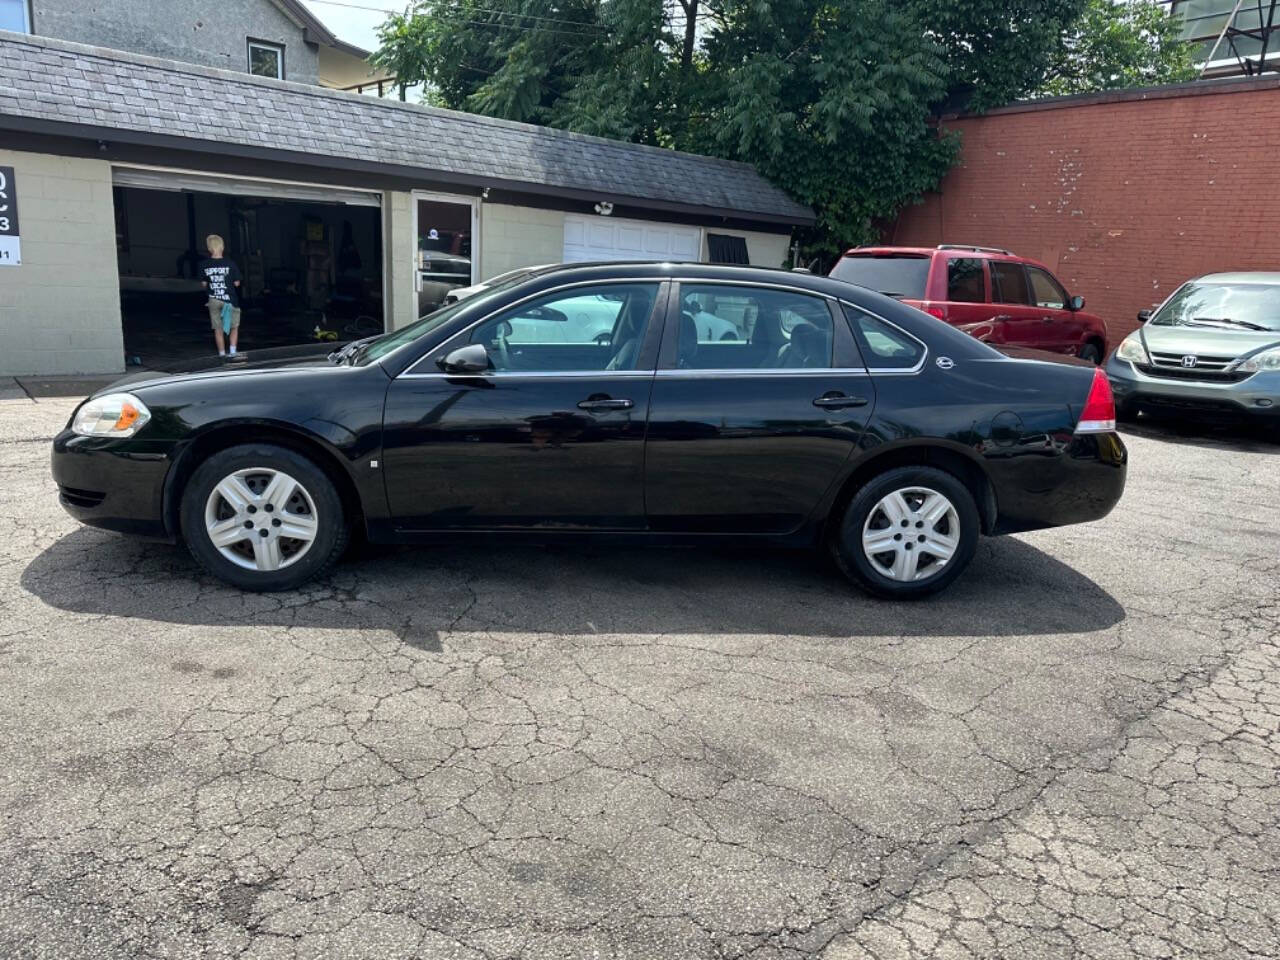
(1225, 306)
(896, 275)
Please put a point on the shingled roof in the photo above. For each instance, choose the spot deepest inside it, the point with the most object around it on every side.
(53, 86)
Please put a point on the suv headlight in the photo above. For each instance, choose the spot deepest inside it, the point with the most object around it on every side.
(1267, 360)
(113, 415)
(1131, 349)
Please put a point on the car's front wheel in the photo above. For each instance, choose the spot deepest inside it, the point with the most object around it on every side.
(907, 533)
(262, 517)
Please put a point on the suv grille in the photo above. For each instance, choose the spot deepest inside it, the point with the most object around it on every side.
(1169, 366)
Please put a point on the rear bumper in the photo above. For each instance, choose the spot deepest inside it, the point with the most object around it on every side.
(113, 484)
(1257, 397)
(1079, 483)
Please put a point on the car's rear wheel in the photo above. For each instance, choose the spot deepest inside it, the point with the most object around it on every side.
(262, 517)
(1092, 352)
(907, 533)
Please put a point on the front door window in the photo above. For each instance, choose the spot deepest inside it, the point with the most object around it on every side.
(583, 328)
(1045, 290)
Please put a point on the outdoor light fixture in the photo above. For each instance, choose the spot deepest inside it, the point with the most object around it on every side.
(604, 208)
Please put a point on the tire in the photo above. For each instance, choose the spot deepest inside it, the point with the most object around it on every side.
(868, 512)
(247, 488)
(1092, 352)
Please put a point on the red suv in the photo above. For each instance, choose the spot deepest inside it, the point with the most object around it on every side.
(984, 291)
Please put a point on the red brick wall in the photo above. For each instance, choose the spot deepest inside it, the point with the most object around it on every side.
(1124, 196)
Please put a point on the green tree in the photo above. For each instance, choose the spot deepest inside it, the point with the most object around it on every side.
(830, 99)
(1120, 43)
(995, 50)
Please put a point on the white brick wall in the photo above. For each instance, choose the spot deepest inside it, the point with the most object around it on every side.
(60, 310)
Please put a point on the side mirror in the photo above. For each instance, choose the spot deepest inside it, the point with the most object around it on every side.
(473, 358)
(1144, 316)
(1075, 303)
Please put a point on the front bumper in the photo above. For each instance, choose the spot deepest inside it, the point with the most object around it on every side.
(114, 484)
(1256, 397)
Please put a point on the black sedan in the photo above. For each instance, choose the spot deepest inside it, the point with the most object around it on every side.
(651, 401)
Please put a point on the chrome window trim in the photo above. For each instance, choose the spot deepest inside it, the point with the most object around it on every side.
(408, 371)
(891, 371)
(692, 373)
(532, 375)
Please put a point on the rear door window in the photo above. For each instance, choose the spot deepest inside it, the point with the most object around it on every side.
(896, 275)
(1046, 291)
(965, 282)
(883, 346)
(725, 327)
(1009, 283)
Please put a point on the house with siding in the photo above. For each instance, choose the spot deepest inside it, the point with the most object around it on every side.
(347, 214)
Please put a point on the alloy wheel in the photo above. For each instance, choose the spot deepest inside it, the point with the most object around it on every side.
(911, 534)
(261, 518)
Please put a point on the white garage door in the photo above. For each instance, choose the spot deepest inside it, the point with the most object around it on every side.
(606, 238)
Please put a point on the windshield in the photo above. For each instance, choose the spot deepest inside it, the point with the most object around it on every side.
(1226, 306)
(381, 346)
(896, 275)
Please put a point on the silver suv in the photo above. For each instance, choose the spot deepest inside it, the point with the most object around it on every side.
(1213, 347)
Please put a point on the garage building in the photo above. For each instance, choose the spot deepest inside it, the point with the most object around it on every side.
(347, 215)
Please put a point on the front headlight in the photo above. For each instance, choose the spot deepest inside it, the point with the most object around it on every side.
(114, 415)
(1267, 360)
(1131, 349)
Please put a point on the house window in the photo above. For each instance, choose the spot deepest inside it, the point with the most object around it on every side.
(725, 248)
(15, 15)
(265, 59)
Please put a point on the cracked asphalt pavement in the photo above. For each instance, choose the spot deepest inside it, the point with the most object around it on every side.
(609, 752)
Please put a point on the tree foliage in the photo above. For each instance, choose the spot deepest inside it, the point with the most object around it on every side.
(1128, 44)
(830, 99)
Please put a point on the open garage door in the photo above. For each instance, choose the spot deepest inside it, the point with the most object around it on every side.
(310, 258)
(606, 238)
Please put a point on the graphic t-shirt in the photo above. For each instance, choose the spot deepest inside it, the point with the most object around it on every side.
(221, 275)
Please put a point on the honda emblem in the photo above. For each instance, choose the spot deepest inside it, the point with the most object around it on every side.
(1189, 360)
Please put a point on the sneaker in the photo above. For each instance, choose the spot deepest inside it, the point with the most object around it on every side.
(231, 352)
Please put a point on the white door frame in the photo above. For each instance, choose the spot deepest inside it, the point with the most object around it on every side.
(471, 201)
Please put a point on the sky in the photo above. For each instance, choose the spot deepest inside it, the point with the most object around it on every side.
(354, 21)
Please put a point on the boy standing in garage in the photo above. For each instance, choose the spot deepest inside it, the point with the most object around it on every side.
(221, 277)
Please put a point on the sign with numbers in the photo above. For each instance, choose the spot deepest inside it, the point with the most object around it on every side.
(10, 243)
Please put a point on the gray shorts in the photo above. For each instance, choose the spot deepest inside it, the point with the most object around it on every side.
(215, 315)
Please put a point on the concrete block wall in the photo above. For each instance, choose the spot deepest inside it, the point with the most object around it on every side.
(513, 237)
(60, 310)
(764, 249)
(399, 252)
(1123, 195)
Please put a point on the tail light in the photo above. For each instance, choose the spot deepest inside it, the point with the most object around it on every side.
(934, 311)
(1099, 414)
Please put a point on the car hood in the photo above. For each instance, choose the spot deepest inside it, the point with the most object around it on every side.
(1207, 341)
(305, 356)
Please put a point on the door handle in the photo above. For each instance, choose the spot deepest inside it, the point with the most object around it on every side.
(839, 401)
(605, 403)
(1000, 318)
(1047, 319)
